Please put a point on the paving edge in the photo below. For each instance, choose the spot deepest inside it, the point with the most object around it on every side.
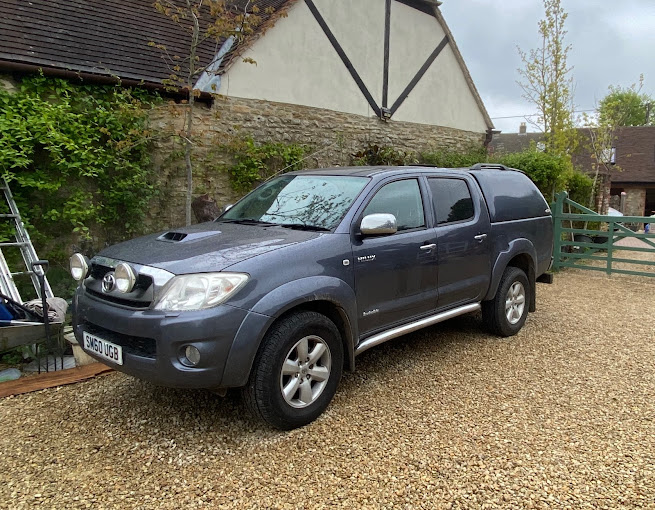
(52, 379)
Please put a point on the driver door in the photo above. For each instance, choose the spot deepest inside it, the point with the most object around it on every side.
(395, 275)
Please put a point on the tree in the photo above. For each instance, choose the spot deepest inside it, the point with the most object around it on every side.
(224, 22)
(547, 83)
(626, 106)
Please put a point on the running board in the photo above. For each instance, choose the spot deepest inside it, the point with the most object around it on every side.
(415, 326)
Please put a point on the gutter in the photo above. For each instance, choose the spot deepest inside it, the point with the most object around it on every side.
(99, 79)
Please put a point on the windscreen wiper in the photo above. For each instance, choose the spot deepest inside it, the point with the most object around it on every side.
(302, 226)
(249, 221)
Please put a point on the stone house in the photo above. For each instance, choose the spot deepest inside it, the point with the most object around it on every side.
(332, 74)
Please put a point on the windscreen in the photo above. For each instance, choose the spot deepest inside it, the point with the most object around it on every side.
(318, 201)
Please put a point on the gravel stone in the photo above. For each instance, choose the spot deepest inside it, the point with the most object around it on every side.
(560, 416)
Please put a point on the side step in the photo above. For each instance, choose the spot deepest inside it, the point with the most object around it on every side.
(415, 326)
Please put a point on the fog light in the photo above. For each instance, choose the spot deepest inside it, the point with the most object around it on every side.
(125, 278)
(79, 267)
(192, 355)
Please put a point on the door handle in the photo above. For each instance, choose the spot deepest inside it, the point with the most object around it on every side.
(427, 247)
(480, 238)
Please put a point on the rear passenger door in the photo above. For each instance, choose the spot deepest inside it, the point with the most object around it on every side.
(395, 275)
(463, 239)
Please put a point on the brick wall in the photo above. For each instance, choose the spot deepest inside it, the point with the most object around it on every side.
(332, 137)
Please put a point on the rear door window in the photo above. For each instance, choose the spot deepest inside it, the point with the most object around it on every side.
(452, 200)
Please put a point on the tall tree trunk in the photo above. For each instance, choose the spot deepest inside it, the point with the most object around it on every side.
(188, 147)
(188, 118)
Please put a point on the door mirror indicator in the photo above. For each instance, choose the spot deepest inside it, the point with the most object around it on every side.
(378, 224)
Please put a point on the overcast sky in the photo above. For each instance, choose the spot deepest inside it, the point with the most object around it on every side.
(613, 42)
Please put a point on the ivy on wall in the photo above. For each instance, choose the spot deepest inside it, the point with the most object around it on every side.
(76, 157)
(254, 163)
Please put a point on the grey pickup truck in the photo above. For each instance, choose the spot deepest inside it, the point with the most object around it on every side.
(279, 294)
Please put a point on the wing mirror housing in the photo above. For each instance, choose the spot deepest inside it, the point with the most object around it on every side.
(378, 225)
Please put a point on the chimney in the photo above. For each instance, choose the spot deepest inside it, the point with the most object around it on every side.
(523, 129)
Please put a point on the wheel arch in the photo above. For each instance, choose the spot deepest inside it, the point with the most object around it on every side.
(521, 253)
(328, 296)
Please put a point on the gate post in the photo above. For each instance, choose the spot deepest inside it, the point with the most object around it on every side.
(558, 211)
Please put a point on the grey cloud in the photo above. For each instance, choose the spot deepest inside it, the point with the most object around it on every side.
(612, 44)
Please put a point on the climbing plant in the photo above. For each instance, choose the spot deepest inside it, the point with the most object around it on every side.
(76, 157)
(254, 163)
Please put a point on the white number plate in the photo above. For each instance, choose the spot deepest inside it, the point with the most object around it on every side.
(103, 348)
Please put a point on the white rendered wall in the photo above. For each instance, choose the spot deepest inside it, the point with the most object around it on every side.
(296, 64)
(443, 96)
(358, 25)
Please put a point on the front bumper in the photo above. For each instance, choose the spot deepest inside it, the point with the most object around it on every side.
(153, 341)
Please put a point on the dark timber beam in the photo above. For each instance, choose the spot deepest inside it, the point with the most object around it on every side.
(387, 37)
(344, 57)
(419, 75)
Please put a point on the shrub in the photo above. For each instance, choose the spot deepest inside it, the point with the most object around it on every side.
(549, 172)
(454, 158)
(382, 155)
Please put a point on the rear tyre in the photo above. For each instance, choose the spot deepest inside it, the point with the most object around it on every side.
(296, 371)
(506, 313)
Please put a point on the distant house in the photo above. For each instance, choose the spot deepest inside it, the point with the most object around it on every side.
(333, 74)
(515, 142)
(632, 159)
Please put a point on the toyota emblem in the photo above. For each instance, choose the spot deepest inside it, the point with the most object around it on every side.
(108, 282)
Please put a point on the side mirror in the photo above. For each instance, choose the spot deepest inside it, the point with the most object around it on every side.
(378, 225)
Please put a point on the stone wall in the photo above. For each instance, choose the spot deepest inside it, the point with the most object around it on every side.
(331, 136)
(8, 83)
(635, 201)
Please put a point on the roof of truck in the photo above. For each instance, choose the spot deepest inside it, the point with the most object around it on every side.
(370, 171)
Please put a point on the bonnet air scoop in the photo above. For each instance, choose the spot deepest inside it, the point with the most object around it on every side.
(183, 237)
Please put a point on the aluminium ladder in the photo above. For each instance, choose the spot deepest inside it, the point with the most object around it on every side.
(24, 243)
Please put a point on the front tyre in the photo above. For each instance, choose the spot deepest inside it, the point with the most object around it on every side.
(296, 371)
(506, 313)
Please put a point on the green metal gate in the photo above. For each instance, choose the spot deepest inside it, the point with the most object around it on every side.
(596, 249)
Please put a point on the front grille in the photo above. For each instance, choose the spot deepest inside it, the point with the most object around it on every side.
(139, 346)
(130, 303)
(140, 297)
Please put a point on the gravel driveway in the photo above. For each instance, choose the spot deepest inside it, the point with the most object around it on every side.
(560, 416)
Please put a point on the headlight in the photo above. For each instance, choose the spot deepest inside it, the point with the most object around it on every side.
(79, 267)
(200, 291)
(125, 278)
